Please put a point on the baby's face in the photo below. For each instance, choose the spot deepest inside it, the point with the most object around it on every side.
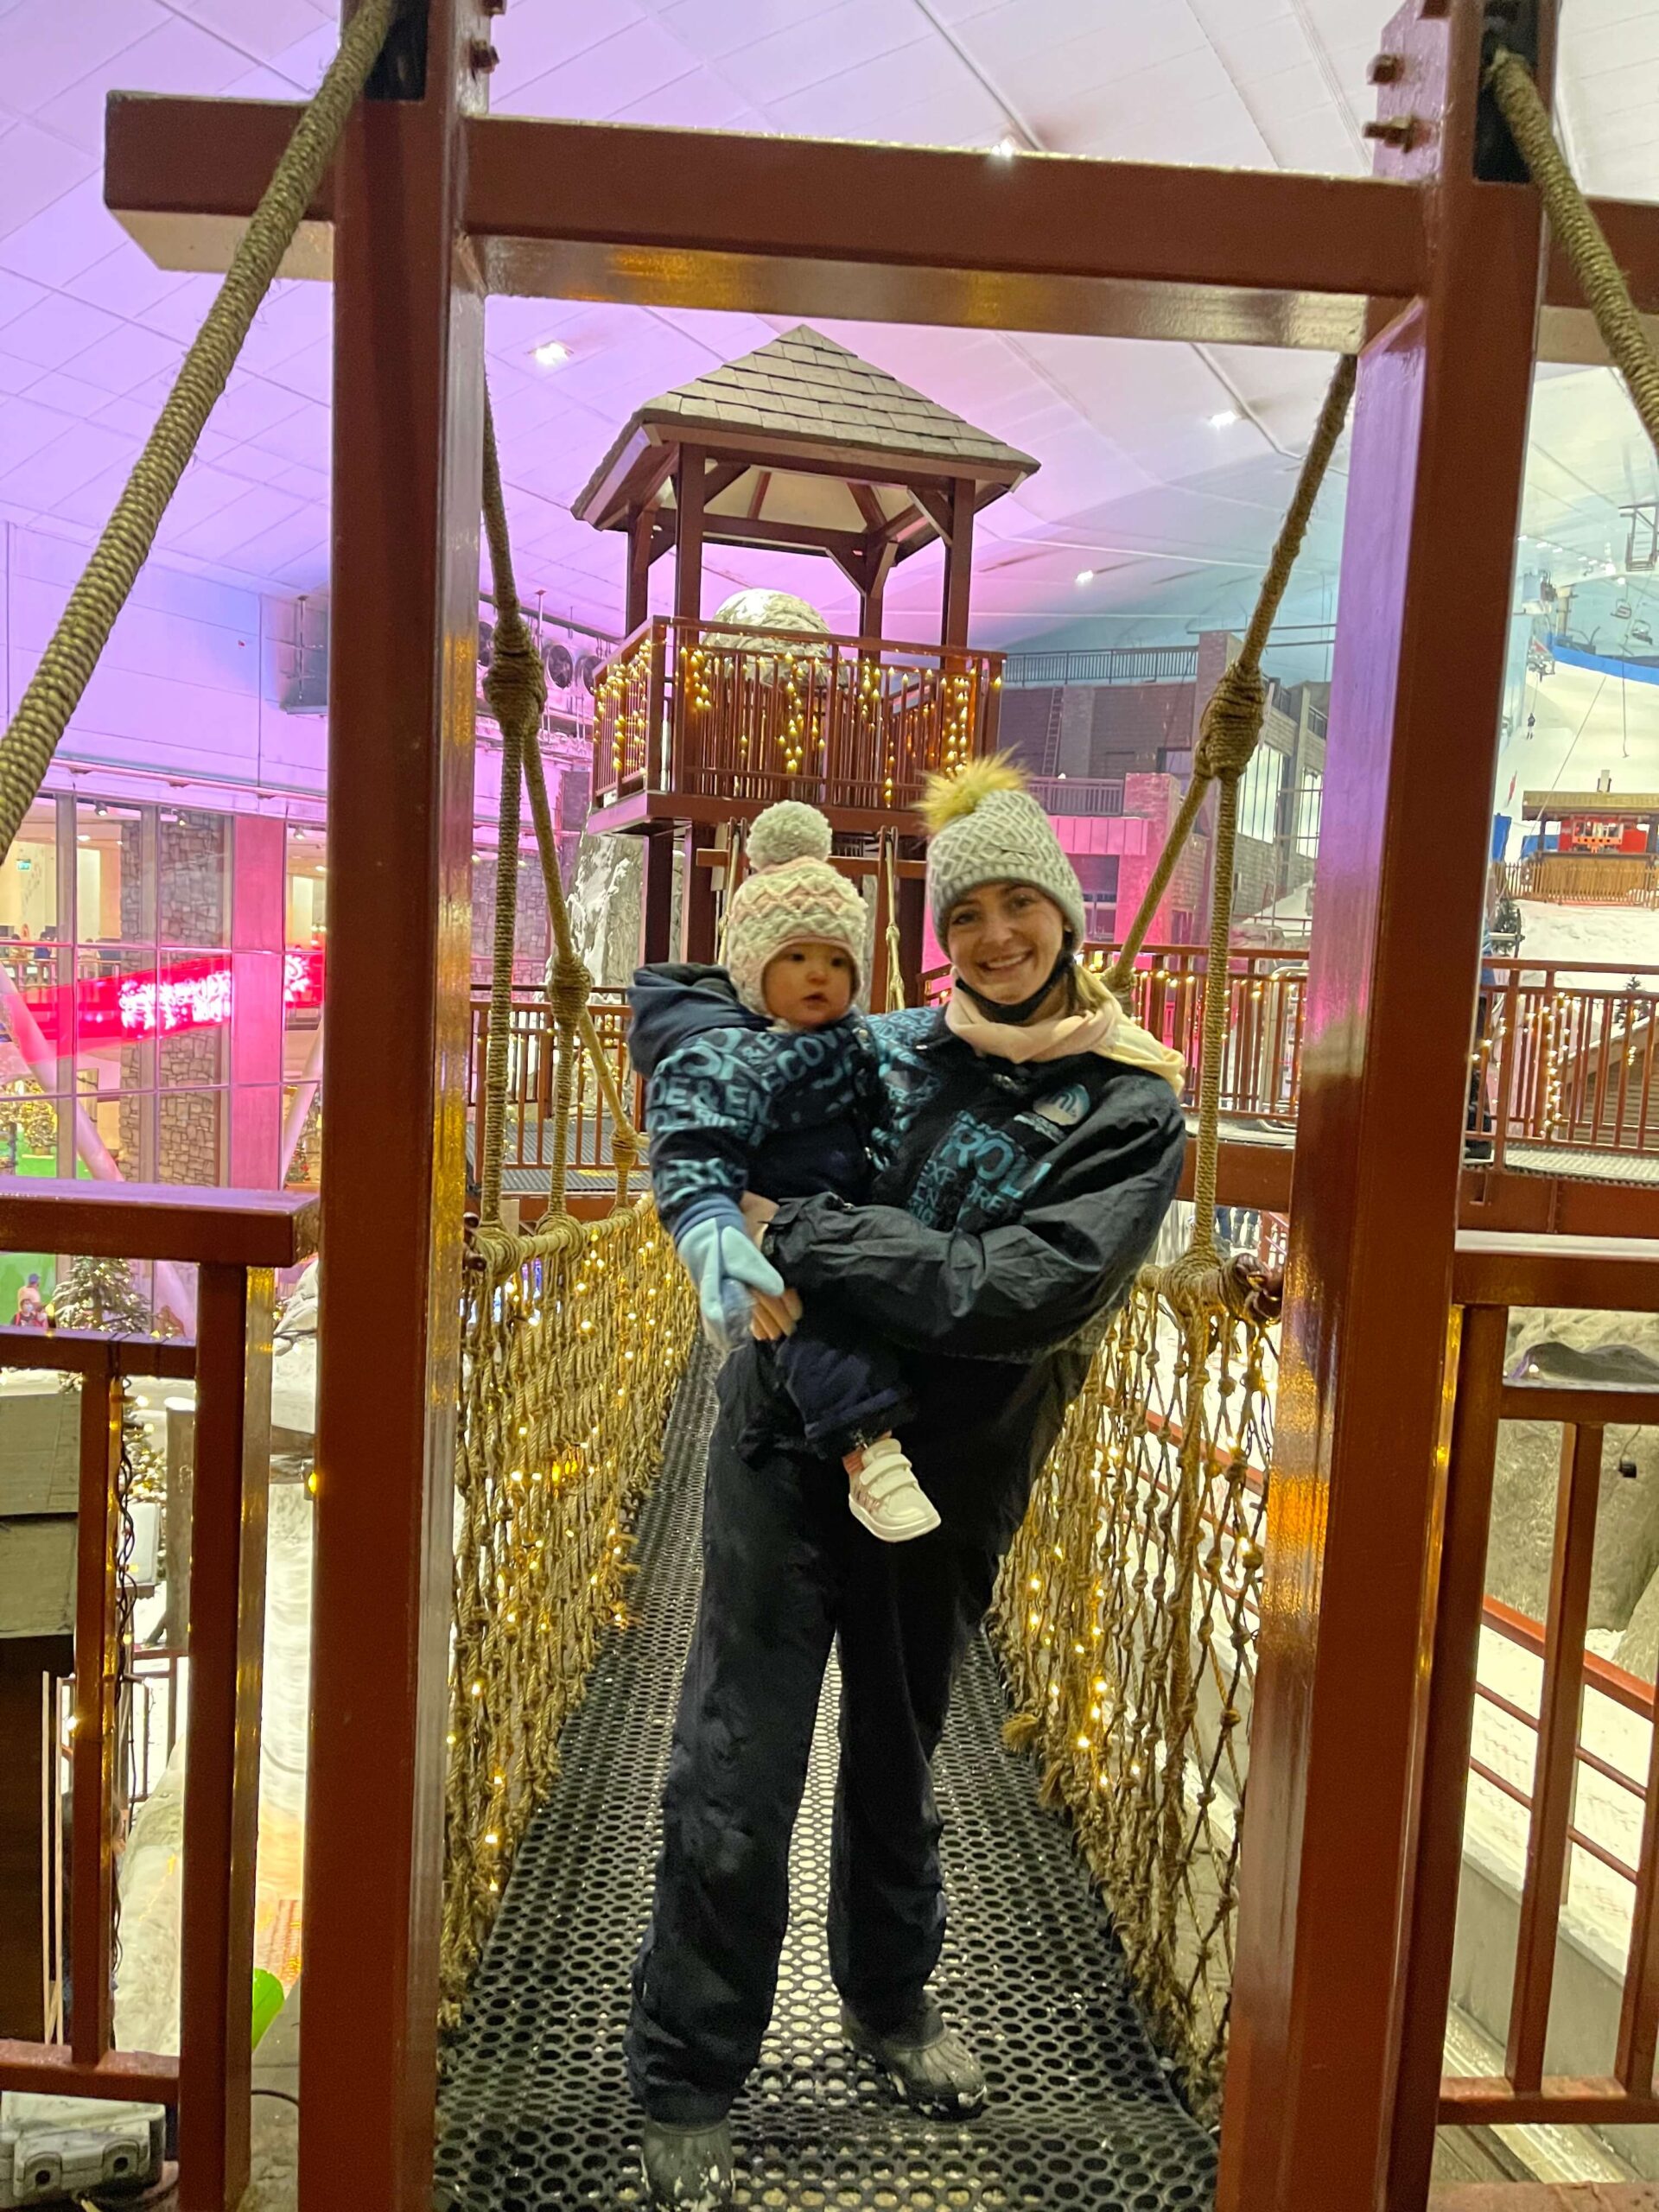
(808, 985)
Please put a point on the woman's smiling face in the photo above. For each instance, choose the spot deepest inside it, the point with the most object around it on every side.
(1004, 940)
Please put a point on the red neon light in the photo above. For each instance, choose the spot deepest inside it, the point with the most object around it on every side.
(186, 994)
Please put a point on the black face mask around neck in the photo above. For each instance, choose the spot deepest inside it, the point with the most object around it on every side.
(994, 1010)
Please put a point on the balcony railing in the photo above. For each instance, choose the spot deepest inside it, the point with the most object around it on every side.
(1105, 665)
(533, 1084)
(235, 1240)
(1078, 794)
(718, 712)
(1572, 1794)
(1562, 1065)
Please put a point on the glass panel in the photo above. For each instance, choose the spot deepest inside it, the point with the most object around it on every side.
(306, 885)
(302, 1128)
(28, 879)
(115, 1012)
(192, 1019)
(114, 889)
(194, 877)
(29, 1134)
(190, 1129)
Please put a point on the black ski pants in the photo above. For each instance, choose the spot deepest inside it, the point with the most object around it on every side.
(786, 1570)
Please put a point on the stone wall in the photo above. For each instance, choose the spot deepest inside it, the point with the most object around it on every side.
(192, 879)
(1624, 1582)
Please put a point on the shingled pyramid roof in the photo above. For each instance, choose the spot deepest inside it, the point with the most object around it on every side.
(803, 391)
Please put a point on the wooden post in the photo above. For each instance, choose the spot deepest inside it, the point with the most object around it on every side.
(407, 445)
(1428, 556)
(97, 1666)
(221, 1788)
(912, 916)
(688, 538)
(642, 525)
(1477, 1359)
(873, 590)
(958, 564)
(698, 894)
(30, 1666)
(656, 893)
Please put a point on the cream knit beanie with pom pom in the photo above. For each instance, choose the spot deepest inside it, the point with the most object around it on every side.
(791, 896)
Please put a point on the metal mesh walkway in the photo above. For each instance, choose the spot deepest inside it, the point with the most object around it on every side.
(536, 2115)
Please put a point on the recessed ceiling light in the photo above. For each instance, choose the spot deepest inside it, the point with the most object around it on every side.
(1224, 420)
(1085, 575)
(552, 354)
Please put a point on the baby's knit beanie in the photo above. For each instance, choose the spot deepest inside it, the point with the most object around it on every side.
(790, 894)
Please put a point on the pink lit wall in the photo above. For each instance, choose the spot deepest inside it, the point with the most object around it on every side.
(186, 694)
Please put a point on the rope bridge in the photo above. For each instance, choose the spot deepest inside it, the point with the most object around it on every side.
(1126, 1613)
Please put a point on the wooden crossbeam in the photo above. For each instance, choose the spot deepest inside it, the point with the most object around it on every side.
(635, 213)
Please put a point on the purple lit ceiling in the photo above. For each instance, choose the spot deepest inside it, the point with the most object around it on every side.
(1164, 469)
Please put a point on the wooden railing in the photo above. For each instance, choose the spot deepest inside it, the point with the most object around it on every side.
(745, 716)
(1560, 1066)
(1493, 1275)
(235, 1240)
(1566, 1065)
(1262, 1070)
(1578, 880)
(532, 1079)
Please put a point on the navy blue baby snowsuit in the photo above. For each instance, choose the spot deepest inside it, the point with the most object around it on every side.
(734, 1102)
(1013, 1205)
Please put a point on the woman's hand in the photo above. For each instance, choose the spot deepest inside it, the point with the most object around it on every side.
(757, 1211)
(773, 1317)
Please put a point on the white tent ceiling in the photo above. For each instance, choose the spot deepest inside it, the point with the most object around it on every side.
(1164, 469)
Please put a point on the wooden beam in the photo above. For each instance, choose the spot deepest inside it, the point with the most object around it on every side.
(758, 497)
(408, 441)
(869, 506)
(1428, 555)
(642, 532)
(1121, 249)
(719, 477)
(935, 506)
(798, 537)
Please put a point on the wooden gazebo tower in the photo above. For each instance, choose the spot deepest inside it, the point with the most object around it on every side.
(799, 445)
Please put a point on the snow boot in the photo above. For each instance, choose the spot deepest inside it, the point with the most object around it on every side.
(688, 2169)
(927, 2062)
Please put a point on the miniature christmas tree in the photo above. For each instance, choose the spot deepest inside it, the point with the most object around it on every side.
(101, 1294)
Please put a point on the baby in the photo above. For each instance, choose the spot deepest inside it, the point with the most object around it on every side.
(760, 1077)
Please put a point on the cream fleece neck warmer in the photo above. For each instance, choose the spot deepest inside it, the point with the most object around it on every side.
(1109, 1032)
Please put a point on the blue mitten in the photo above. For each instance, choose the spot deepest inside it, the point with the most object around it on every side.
(727, 1266)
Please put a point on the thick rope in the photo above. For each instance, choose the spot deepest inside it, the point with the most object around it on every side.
(516, 689)
(1232, 721)
(66, 667)
(1607, 294)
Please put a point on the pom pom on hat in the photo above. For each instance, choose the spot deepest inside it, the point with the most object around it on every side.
(790, 830)
(948, 797)
(791, 896)
(987, 828)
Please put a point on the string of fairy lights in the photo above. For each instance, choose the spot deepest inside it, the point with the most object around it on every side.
(795, 710)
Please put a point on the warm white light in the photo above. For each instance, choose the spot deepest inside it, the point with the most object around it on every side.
(1085, 575)
(1224, 420)
(1006, 148)
(552, 355)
